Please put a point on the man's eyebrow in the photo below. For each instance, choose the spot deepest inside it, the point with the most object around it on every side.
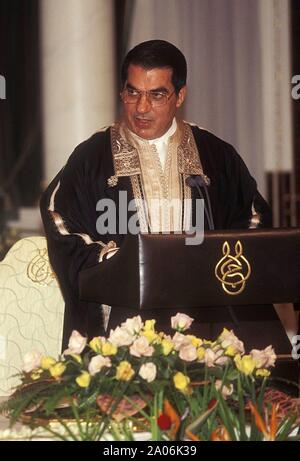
(128, 85)
(160, 89)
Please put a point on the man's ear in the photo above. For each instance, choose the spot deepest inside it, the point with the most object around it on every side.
(181, 96)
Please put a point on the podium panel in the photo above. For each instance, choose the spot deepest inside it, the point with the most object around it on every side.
(156, 271)
(231, 280)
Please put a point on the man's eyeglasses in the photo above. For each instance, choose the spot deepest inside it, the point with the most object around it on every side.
(156, 98)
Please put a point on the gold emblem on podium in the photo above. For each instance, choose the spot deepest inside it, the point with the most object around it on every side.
(233, 270)
(39, 270)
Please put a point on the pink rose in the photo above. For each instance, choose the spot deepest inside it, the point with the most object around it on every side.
(229, 340)
(212, 358)
(188, 353)
(179, 340)
(32, 360)
(141, 348)
(97, 363)
(133, 326)
(265, 358)
(181, 322)
(76, 343)
(148, 372)
(225, 390)
(120, 337)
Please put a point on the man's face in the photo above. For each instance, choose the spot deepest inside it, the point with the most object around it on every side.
(141, 117)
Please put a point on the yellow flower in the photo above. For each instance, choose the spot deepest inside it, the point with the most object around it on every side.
(181, 381)
(201, 353)
(84, 379)
(47, 362)
(109, 349)
(197, 342)
(36, 374)
(167, 346)
(57, 369)
(262, 372)
(124, 371)
(245, 364)
(151, 336)
(95, 344)
(150, 333)
(76, 357)
(224, 332)
(149, 325)
(231, 351)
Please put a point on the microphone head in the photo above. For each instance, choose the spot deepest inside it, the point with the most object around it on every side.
(190, 181)
(201, 181)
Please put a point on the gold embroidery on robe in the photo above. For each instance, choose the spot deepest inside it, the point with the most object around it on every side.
(158, 186)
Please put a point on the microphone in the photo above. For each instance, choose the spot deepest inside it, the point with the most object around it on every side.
(203, 181)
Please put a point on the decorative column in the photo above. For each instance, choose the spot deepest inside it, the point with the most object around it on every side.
(78, 75)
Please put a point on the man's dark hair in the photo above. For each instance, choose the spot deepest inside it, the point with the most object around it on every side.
(157, 53)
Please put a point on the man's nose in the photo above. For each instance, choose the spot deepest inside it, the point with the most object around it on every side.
(143, 105)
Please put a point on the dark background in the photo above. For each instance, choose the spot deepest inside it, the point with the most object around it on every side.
(20, 113)
(296, 104)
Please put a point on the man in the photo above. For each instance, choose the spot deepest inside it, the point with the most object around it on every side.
(149, 154)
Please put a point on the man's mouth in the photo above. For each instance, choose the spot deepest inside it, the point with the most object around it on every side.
(143, 122)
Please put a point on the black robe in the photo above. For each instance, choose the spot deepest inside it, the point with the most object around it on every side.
(83, 182)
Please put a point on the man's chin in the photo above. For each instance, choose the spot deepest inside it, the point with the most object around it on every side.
(145, 132)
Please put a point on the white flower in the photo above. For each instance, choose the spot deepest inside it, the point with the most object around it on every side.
(134, 325)
(97, 363)
(181, 322)
(148, 372)
(212, 358)
(221, 360)
(229, 340)
(32, 360)
(188, 353)
(141, 347)
(76, 343)
(265, 358)
(225, 390)
(209, 357)
(179, 340)
(120, 337)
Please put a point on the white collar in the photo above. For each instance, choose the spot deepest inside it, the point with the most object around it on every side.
(161, 143)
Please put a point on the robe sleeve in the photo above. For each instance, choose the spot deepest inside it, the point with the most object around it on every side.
(68, 210)
(236, 202)
(246, 206)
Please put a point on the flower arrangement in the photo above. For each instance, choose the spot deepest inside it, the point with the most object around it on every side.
(178, 387)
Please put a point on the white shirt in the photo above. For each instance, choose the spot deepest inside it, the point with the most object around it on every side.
(161, 144)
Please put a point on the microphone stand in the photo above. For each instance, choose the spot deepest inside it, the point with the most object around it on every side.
(204, 181)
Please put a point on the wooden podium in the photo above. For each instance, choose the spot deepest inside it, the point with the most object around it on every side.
(231, 279)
